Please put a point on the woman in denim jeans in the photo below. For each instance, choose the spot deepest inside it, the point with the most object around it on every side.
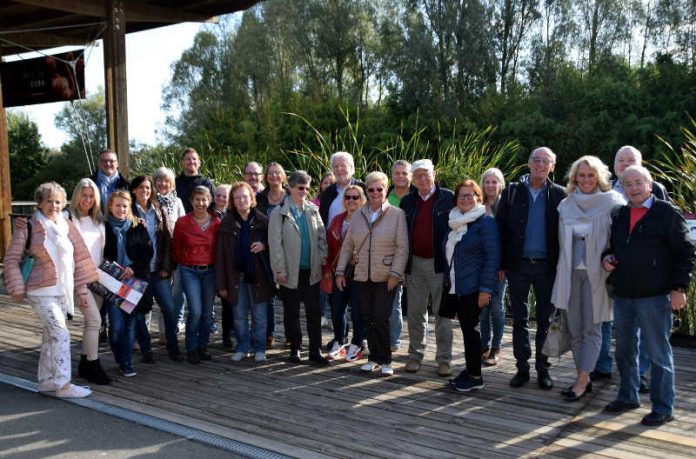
(243, 275)
(492, 184)
(193, 247)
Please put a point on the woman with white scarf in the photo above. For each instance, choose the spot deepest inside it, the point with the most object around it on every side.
(579, 288)
(472, 251)
(58, 280)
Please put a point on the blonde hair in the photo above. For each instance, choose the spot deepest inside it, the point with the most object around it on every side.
(95, 211)
(360, 191)
(600, 169)
(127, 196)
(377, 176)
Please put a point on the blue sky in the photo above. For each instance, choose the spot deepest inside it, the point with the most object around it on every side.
(149, 57)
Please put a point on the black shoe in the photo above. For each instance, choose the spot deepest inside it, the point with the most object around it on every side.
(520, 379)
(227, 343)
(148, 357)
(617, 406)
(596, 375)
(319, 360)
(294, 357)
(103, 336)
(193, 358)
(644, 386)
(462, 376)
(176, 356)
(569, 394)
(204, 354)
(544, 380)
(656, 419)
(99, 376)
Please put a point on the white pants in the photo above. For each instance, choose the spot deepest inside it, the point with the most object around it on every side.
(54, 362)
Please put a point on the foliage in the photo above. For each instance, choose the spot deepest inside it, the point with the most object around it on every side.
(678, 169)
(27, 154)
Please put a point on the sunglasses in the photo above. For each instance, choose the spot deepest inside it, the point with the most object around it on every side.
(375, 190)
(354, 197)
(302, 187)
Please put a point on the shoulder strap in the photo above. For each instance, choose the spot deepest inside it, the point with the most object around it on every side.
(29, 228)
(512, 193)
(370, 227)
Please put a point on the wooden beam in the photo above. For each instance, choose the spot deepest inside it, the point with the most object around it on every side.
(5, 190)
(43, 40)
(136, 11)
(115, 79)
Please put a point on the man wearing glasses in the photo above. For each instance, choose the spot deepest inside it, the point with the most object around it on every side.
(427, 211)
(253, 175)
(528, 222)
(107, 177)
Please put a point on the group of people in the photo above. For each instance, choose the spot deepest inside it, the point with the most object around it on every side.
(597, 249)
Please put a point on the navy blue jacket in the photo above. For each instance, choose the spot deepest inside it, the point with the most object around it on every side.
(513, 209)
(656, 257)
(476, 258)
(444, 201)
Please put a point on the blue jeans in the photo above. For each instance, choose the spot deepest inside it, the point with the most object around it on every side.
(142, 334)
(654, 317)
(340, 300)
(122, 333)
(199, 287)
(178, 295)
(162, 289)
(493, 314)
(603, 364)
(323, 302)
(520, 281)
(257, 332)
(396, 320)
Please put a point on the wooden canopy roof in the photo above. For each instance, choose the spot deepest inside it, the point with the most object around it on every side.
(42, 24)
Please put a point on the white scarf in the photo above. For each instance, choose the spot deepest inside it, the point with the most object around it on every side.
(459, 223)
(64, 262)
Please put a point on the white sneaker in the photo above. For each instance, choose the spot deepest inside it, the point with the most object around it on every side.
(326, 323)
(337, 352)
(259, 357)
(354, 353)
(369, 366)
(74, 391)
(238, 356)
(387, 370)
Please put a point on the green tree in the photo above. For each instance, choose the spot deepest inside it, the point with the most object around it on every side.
(27, 154)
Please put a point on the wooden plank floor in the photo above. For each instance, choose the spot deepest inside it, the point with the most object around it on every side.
(307, 412)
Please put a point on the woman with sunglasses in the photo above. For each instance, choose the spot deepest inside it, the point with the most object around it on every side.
(353, 199)
(297, 241)
(377, 244)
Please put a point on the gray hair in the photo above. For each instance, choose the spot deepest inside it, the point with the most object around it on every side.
(401, 162)
(45, 190)
(343, 155)
(95, 212)
(253, 163)
(636, 170)
(165, 173)
(299, 178)
(544, 149)
(629, 149)
(200, 189)
(377, 176)
(498, 174)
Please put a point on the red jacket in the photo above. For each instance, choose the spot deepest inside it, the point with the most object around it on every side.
(190, 245)
(334, 240)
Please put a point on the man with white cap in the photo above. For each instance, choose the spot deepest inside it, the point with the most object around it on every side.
(427, 211)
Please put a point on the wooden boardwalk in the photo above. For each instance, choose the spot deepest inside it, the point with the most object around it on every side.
(307, 412)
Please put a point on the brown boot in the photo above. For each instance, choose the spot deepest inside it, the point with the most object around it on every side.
(493, 357)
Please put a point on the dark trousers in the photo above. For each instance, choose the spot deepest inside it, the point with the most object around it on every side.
(519, 282)
(309, 295)
(468, 314)
(376, 307)
(227, 320)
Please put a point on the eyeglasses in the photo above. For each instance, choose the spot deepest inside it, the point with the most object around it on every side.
(375, 190)
(354, 197)
(256, 174)
(273, 173)
(465, 197)
(545, 161)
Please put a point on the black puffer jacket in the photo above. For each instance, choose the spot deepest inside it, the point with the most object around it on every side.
(656, 257)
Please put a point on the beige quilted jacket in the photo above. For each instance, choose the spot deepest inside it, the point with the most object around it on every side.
(385, 250)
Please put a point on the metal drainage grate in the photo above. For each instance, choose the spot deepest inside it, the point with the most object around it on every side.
(233, 446)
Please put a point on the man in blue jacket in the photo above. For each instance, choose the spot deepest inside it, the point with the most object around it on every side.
(528, 223)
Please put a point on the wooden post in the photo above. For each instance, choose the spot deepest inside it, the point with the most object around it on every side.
(115, 79)
(5, 191)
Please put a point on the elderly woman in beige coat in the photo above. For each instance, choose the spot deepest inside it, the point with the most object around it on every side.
(297, 242)
(378, 240)
(579, 288)
(57, 282)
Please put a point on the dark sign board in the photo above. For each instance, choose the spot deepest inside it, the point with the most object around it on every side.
(56, 78)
